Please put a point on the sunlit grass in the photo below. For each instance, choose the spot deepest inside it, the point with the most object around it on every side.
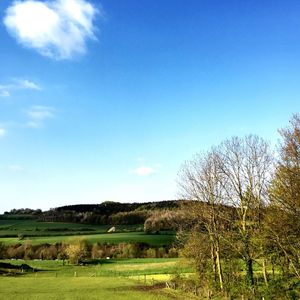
(112, 238)
(103, 279)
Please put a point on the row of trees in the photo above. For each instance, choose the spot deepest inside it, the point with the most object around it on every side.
(252, 209)
(79, 251)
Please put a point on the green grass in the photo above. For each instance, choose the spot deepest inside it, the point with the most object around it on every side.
(73, 288)
(112, 238)
(102, 280)
(55, 232)
(11, 228)
(103, 267)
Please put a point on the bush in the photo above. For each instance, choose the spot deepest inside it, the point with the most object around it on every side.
(76, 251)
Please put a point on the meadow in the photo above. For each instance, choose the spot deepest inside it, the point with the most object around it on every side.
(100, 279)
(13, 227)
(35, 233)
(112, 238)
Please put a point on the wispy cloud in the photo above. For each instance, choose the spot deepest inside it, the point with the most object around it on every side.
(15, 168)
(38, 114)
(4, 91)
(2, 132)
(27, 84)
(146, 170)
(18, 84)
(58, 29)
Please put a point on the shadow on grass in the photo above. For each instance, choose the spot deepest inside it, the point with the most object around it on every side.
(11, 269)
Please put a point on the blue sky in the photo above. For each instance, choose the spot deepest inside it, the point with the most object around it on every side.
(104, 100)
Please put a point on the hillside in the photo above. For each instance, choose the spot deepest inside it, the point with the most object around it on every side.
(105, 213)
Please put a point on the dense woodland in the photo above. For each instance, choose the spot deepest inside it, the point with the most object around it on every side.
(108, 212)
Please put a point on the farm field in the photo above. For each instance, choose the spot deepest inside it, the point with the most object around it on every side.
(112, 238)
(35, 233)
(75, 288)
(113, 279)
(13, 227)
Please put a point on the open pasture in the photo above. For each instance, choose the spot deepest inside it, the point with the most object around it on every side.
(104, 267)
(112, 238)
(103, 279)
(14, 227)
(35, 233)
(74, 288)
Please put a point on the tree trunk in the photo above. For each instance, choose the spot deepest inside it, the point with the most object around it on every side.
(265, 274)
(213, 258)
(249, 271)
(247, 257)
(219, 267)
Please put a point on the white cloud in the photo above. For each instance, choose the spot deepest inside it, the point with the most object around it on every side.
(2, 132)
(144, 170)
(38, 114)
(4, 92)
(15, 168)
(58, 29)
(27, 84)
(18, 84)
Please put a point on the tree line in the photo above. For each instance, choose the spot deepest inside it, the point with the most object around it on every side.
(80, 251)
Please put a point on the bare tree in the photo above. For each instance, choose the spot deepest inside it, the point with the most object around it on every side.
(200, 181)
(245, 165)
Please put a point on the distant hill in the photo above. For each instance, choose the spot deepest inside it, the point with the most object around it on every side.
(108, 212)
(110, 207)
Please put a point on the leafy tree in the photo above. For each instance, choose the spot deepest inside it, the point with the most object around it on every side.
(285, 196)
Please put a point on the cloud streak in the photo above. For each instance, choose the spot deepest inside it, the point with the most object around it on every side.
(146, 170)
(18, 84)
(2, 132)
(58, 29)
(38, 114)
(15, 168)
(29, 85)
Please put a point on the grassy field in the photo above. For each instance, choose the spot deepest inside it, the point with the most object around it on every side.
(104, 267)
(113, 279)
(12, 227)
(35, 233)
(78, 288)
(112, 238)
